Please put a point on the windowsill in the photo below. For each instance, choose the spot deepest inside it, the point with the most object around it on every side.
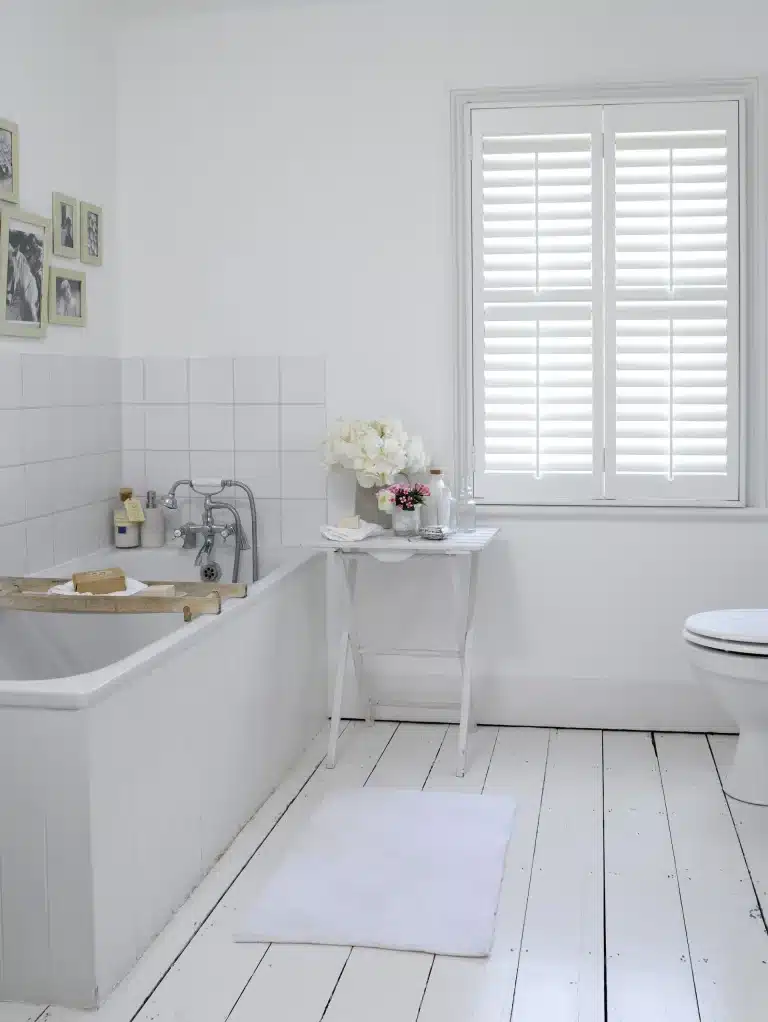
(621, 512)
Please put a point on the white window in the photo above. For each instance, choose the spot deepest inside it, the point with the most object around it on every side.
(605, 303)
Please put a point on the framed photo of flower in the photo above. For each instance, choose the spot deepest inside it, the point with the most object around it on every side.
(67, 305)
(25, 255)
(66, 226)
(9, 161)
(91, 234)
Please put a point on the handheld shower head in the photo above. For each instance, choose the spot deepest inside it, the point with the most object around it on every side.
(169, 501)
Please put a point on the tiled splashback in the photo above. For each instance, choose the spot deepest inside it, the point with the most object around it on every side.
(259, 418)
(59, 457)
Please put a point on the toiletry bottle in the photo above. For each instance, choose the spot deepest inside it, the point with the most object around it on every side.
(153, 529)
(126, 532)
(438, 503)
(466, 510)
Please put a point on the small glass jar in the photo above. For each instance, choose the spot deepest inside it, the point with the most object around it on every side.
(406, 523)
(466, 510)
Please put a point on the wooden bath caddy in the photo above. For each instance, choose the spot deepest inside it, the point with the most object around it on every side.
(191, 599)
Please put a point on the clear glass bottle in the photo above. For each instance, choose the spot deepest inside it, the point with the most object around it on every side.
(466, 511)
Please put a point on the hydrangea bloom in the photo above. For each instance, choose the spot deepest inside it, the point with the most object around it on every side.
(376, 450)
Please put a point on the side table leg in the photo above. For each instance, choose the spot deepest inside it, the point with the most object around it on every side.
(350, 566)
(338, 692)
(466, 665)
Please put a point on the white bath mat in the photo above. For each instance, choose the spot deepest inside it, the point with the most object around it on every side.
(378, 867)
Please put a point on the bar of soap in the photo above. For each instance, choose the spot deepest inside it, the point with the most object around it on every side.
(158, 591)
(353, 522)
(98, 583)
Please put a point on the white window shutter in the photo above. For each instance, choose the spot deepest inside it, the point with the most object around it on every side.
(537, 303)
(672, 300)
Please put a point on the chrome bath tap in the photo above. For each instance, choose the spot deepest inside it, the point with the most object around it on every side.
(209, 529)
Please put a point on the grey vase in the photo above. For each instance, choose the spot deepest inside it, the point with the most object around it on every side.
(366, 505)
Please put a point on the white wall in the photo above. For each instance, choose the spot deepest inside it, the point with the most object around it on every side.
(57, 82)
(284, 186)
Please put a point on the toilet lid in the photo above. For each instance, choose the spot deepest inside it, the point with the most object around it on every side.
(742, 630)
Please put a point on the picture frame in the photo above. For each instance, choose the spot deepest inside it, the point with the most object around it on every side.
(66, 226)
(67, 297)
(25, 257)
(9, 161)
(91, 234)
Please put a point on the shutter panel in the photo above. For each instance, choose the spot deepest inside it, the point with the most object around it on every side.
(671, 292)
(537, 274)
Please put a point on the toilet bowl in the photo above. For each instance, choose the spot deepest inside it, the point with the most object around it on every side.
(728, 650)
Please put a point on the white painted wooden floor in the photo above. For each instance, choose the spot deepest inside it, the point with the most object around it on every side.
(635, 891)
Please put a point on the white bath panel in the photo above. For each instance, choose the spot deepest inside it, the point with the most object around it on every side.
(645, 929)
(727, 937)
(20, 1012)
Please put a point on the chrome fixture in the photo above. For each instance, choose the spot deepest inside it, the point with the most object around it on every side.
(210, 570)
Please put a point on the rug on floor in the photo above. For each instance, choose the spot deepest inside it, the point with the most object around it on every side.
(378, 867)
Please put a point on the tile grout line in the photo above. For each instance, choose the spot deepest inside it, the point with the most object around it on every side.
(758, 903)
(677, 872)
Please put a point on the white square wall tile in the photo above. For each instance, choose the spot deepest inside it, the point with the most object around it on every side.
(62, 422)
(302, 427)
(71, 484)
(167, 427)
(36, 387)
(211, 380)
(260, 470)
(12, 500)
(133, 427)
(38, 489)
(13, 549)
(164, 468)
(257, 379)
(302, 379)
(10, 380)
(62, 369)
(36, 440)
(256, 428)
(212, 464)
(39, 544)
(303, 475)
(211, 428)
(132, 372)
(165, 381)
(268, 523)
(302, 521)
(10, 436)
(133, 471)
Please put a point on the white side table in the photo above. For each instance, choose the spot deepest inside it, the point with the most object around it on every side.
(389, 548)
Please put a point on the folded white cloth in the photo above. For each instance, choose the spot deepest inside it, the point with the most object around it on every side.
(338, 535)
(132, 586)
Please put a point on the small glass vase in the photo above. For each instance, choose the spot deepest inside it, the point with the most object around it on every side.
(406, 523)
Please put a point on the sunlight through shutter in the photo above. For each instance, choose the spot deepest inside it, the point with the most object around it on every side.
(537, 267)
(671, 301)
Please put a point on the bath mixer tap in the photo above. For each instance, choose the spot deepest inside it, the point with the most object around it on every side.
(209, 529)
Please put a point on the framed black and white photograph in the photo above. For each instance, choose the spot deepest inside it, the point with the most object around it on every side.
(67, 305)
(9, 161)
(25, 250)
(91, 234)
(66, 226)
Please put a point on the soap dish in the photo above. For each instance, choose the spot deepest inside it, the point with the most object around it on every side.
(432, 532)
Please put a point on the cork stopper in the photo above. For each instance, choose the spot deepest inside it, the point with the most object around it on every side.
(435, 471)
(126, 492)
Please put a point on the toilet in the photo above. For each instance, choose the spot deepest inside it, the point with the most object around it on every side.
(729, 652)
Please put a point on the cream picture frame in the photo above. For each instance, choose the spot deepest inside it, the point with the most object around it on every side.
(9, 153)
(91, 234)
(67, 297)
(66, 226)
(25, 257)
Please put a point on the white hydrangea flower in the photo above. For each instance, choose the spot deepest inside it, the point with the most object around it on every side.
(376, 450)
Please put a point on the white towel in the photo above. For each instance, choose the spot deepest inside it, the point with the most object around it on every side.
(132, 586)
(338, 535)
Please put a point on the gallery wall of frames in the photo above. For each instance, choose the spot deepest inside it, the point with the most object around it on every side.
(35, 291)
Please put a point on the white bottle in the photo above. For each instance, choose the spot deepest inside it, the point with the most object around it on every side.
(153, 529)
(438, 503)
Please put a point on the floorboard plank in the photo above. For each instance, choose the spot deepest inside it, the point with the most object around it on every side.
(645, 929)
(729, 945)
(751, 822)
(198, 970)
(378, 985)
(560, 978)
(460, 989)
(442, 776)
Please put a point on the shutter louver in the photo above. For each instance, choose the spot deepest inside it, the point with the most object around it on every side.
(534, 232)
(671, 261)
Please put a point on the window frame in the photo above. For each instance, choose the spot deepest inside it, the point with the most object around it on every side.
(752, 446)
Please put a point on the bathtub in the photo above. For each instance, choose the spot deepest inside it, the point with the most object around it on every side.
(133, 748)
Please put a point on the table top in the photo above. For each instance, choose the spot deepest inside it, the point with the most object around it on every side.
(456, 543)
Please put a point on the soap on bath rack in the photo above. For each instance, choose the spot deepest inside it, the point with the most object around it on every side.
(99, 583)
